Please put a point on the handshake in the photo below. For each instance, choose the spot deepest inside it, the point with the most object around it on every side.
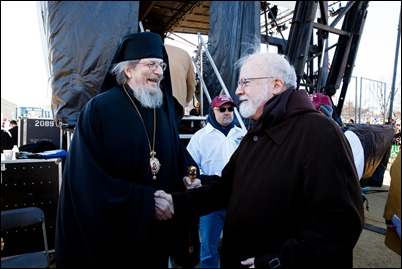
(164, 208)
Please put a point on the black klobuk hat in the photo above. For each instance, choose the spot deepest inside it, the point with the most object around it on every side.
(134, 47)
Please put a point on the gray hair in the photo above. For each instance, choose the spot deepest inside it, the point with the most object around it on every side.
(118, 70)
(279, 65)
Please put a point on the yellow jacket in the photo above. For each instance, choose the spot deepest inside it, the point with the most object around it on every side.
(393, 205)
(182, 74)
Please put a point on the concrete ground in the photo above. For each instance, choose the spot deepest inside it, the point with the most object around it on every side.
(370, 251)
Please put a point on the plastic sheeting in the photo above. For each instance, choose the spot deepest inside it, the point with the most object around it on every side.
(234, 29)
(376, 141)
(82, 38)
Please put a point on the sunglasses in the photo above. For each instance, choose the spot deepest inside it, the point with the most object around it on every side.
(223, 109)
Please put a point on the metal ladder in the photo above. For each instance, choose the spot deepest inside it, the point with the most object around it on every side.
(201, 119)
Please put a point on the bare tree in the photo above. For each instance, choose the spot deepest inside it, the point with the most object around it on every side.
(349, 110)
(378, 91)
(382, 98)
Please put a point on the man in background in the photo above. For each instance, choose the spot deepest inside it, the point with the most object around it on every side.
(6, 140)
(182, 75)
(211, 148)
(392, 209)
(14, 131)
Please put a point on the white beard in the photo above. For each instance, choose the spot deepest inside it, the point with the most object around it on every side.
(248, 109)
(149, 97)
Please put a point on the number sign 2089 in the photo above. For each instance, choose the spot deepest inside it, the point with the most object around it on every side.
(44, 123)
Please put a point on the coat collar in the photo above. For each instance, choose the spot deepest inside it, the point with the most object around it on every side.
(279, 132)
(296, 105)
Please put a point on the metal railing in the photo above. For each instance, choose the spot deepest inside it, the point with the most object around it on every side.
(202, 46)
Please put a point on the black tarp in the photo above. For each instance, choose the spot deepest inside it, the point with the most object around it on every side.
(234, 29)
(82, 38)
(376, 141)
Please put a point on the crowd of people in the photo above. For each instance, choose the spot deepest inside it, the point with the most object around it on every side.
(372, 120)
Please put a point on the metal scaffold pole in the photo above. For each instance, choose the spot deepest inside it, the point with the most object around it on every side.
(391, 103)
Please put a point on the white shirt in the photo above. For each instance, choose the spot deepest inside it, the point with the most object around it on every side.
(211, 149)
(357, 150)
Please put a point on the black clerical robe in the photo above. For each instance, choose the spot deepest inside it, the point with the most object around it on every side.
(106, 207)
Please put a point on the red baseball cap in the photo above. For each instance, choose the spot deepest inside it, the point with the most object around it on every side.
(221, 100)
(319, 99)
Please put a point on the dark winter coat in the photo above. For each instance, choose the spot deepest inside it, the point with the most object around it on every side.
(14, 133)
(291, 191)
(6, 140)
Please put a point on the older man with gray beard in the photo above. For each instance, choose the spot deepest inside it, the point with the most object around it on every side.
(291, 189)
(125, 147)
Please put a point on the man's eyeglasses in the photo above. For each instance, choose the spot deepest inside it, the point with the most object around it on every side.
(154, 65)
(245, 81)
(223, 109)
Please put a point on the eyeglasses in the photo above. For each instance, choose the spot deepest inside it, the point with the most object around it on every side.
(154, 65)
(223, 109)
(245, 81)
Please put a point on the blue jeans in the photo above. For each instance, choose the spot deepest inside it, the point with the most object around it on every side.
(210, 232)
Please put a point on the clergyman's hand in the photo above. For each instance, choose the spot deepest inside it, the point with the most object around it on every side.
(249, 261)
(163, 205)
(162, 194)
(163, 209)
(191, 184)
